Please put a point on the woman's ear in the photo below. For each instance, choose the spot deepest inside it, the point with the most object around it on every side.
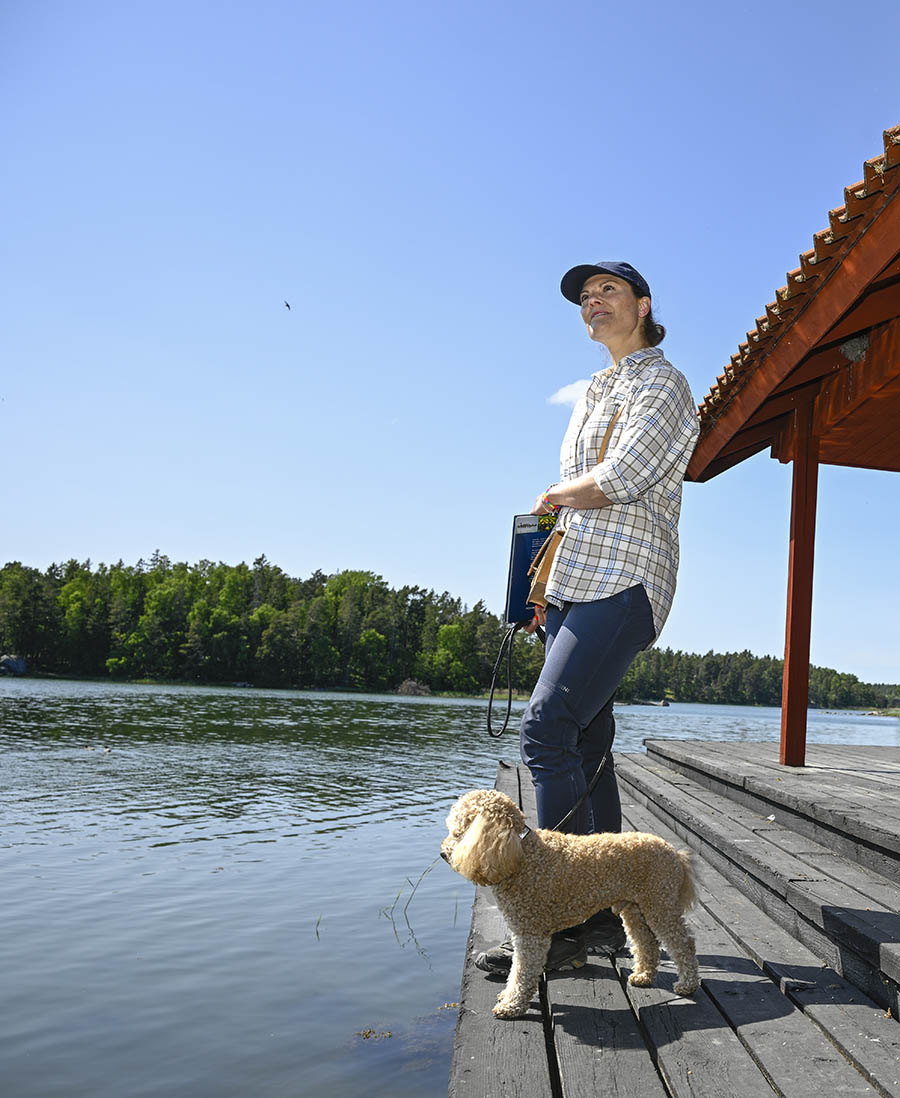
(489, 851)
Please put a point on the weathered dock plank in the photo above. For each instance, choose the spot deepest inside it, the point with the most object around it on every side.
(599, 1044)
(862, 1031)
(851, 931)
(701, 809)
(695, 1050)
(773, 1031)
(490, 1057)
(870, 931)
(859, 886)
(828, 793)
(776, 854)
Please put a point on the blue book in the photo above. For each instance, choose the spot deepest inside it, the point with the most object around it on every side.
(529, 534)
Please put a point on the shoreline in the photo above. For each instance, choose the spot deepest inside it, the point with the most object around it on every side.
(518, 696)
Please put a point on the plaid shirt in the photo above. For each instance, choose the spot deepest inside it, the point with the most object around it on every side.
(635, 540)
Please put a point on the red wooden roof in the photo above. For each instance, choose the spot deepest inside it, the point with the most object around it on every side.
(831, 339)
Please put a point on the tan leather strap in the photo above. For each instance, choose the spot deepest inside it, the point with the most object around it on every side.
(609, 431)
(545, 545)
(539, 555)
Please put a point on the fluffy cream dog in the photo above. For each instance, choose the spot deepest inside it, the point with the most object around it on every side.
(545, 881)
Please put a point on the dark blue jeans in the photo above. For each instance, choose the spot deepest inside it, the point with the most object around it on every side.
(569, 722)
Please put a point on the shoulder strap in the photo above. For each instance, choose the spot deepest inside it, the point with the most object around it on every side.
(609, 431)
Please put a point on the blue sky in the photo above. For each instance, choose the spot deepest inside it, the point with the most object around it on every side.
(414, 179)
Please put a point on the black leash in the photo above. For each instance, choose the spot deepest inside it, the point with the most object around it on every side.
(506, 646)
(584, 796)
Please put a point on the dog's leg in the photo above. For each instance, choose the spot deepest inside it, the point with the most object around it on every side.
(529, 954)
(679, 944)
(644, 946)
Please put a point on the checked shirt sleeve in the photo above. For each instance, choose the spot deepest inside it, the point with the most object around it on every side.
(659, 436)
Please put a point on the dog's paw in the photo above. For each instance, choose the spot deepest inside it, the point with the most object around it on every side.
(686, 987)
(505, 1010)
(641, 979)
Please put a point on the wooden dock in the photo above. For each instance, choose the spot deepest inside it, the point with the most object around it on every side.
(798, 939)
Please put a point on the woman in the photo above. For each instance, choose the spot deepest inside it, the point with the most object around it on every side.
(613, 577)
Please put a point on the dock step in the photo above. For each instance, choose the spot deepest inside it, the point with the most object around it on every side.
(846, 797)
(732, 931)
(843, 912)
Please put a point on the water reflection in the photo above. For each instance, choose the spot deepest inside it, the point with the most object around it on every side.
(192, 765)
(324, 763)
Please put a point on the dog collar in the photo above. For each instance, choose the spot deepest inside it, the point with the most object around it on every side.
(525, 833)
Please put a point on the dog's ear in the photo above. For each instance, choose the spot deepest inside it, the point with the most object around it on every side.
(489, 851)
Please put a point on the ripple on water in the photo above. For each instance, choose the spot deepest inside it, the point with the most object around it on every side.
(180, 912)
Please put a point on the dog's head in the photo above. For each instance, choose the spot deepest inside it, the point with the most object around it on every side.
(483, 842)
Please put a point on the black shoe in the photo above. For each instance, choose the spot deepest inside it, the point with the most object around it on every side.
(604, 933)
(565, 953)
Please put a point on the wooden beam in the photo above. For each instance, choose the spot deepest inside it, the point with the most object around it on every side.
(749, 436)
(857, 383)
(876, 307)
(874, 310)
(865, 260)
(795, 686)
(781, 405)
(815, 366)
(721, 464)
(869, 438)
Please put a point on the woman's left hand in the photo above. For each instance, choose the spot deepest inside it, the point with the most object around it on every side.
(582, 492)
(540, 618)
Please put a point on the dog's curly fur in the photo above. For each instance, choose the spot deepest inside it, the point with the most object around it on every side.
(549, 880)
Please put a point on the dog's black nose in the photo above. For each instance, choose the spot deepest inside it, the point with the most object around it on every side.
(444, 856)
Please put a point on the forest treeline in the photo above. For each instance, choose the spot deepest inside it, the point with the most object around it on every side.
(220, 623)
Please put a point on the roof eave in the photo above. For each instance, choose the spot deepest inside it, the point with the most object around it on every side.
(746, 388)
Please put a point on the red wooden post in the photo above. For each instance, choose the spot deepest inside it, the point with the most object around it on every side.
(795, 689)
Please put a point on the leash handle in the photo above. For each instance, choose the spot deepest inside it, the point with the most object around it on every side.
(506, 646)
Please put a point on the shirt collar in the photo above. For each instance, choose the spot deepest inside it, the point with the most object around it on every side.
(630, 364)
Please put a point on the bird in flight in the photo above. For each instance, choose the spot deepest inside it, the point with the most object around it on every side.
(287, 306)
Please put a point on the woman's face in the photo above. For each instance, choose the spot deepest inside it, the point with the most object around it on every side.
(610, 309)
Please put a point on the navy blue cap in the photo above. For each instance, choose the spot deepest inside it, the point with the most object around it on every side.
(574, 280)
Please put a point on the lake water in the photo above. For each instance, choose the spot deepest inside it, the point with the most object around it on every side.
(211, 893)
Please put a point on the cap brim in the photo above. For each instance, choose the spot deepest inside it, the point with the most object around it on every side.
(573, 281)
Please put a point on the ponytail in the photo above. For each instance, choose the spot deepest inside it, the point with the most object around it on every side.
(654, 333)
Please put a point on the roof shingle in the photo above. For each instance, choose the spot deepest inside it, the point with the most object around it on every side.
(862, 203)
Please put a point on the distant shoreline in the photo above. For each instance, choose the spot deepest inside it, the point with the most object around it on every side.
(499, 697)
